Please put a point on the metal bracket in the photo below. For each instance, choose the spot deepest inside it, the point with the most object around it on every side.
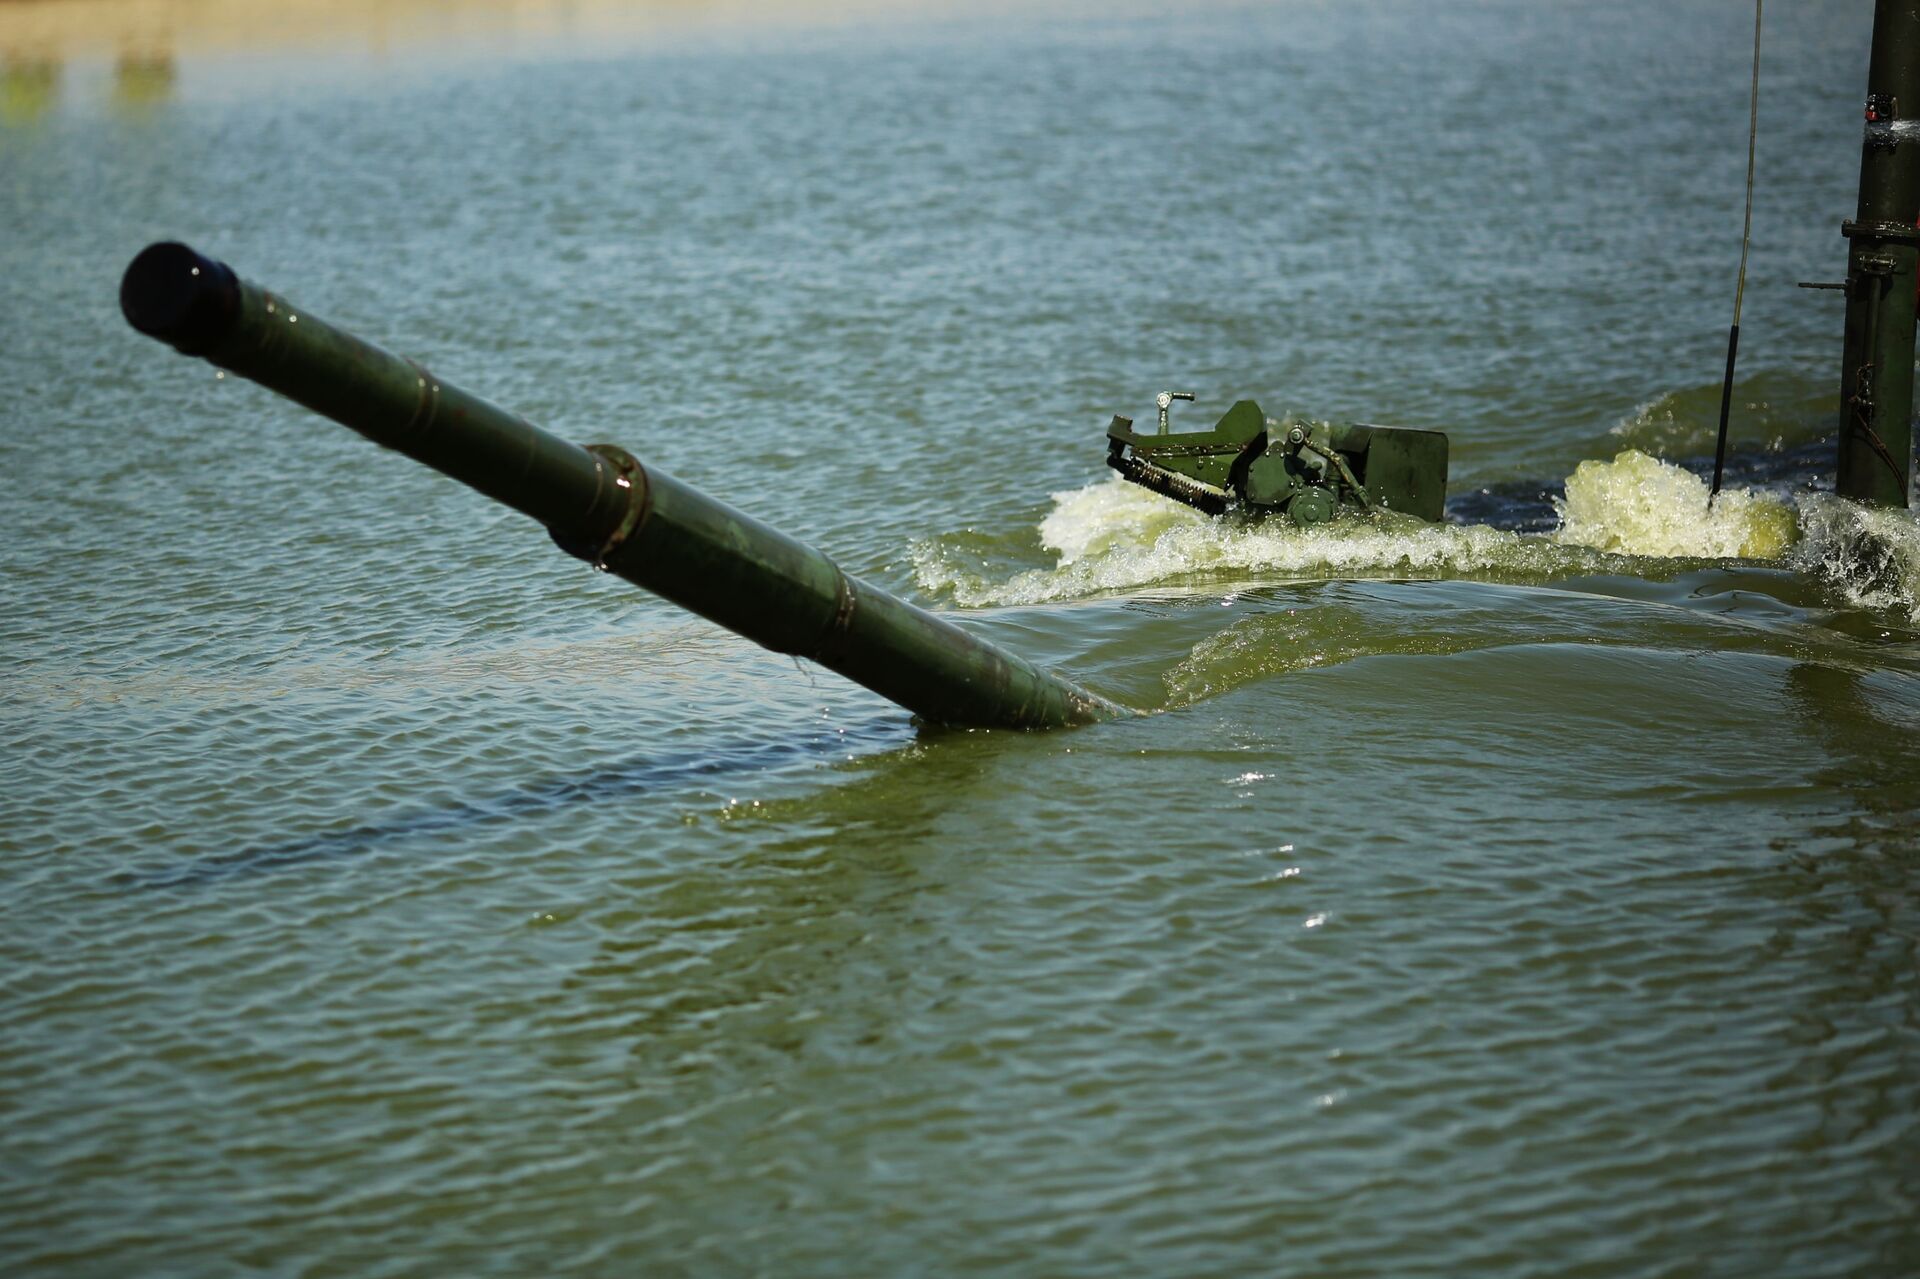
(1299, 439)
(1883, 120)
(1895, 231)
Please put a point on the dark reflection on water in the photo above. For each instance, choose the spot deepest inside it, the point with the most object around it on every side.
(627, 779)
(1853, 883)
(1871, 766)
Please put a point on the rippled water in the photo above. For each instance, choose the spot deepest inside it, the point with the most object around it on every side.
(385, 893)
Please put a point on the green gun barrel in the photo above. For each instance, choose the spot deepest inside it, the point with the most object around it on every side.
(601, 504)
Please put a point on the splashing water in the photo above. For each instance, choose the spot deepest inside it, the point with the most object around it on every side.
(1639, 505)
(1869, 555)
(1113, 536)
(1634, 515)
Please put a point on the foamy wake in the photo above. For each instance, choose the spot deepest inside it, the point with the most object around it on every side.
(1640, 505)
(1870, 556)
(1114, 537)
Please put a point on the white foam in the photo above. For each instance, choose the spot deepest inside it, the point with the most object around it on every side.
(1870, 555)
(1112, 537)
(1639, 505)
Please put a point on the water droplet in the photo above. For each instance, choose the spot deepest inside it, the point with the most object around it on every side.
(293, 319)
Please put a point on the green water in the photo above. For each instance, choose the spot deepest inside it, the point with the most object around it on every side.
(383, 893)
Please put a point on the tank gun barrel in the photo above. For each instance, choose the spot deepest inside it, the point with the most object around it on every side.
(601, 504)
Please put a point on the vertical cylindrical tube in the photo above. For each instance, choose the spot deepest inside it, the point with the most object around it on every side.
(603, 505)
(1876, 380)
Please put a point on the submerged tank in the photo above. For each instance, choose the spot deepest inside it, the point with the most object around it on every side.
(601, 504)
(1309, 472)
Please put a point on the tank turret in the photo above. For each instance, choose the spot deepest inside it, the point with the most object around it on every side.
(602, 504)
(1251, 464)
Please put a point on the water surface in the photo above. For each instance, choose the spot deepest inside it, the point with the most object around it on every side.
(386, 893)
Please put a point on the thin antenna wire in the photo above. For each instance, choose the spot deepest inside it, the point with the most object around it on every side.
(1740, 289)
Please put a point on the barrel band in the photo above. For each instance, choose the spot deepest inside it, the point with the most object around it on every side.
(428, 404)
(268, 339)
(832, 644)
(631, 476)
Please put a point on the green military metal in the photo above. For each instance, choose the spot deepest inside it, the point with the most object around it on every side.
(1876, 381)
(1307, 471)
(603, 505)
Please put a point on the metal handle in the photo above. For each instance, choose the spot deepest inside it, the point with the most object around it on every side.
(1165, 400)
